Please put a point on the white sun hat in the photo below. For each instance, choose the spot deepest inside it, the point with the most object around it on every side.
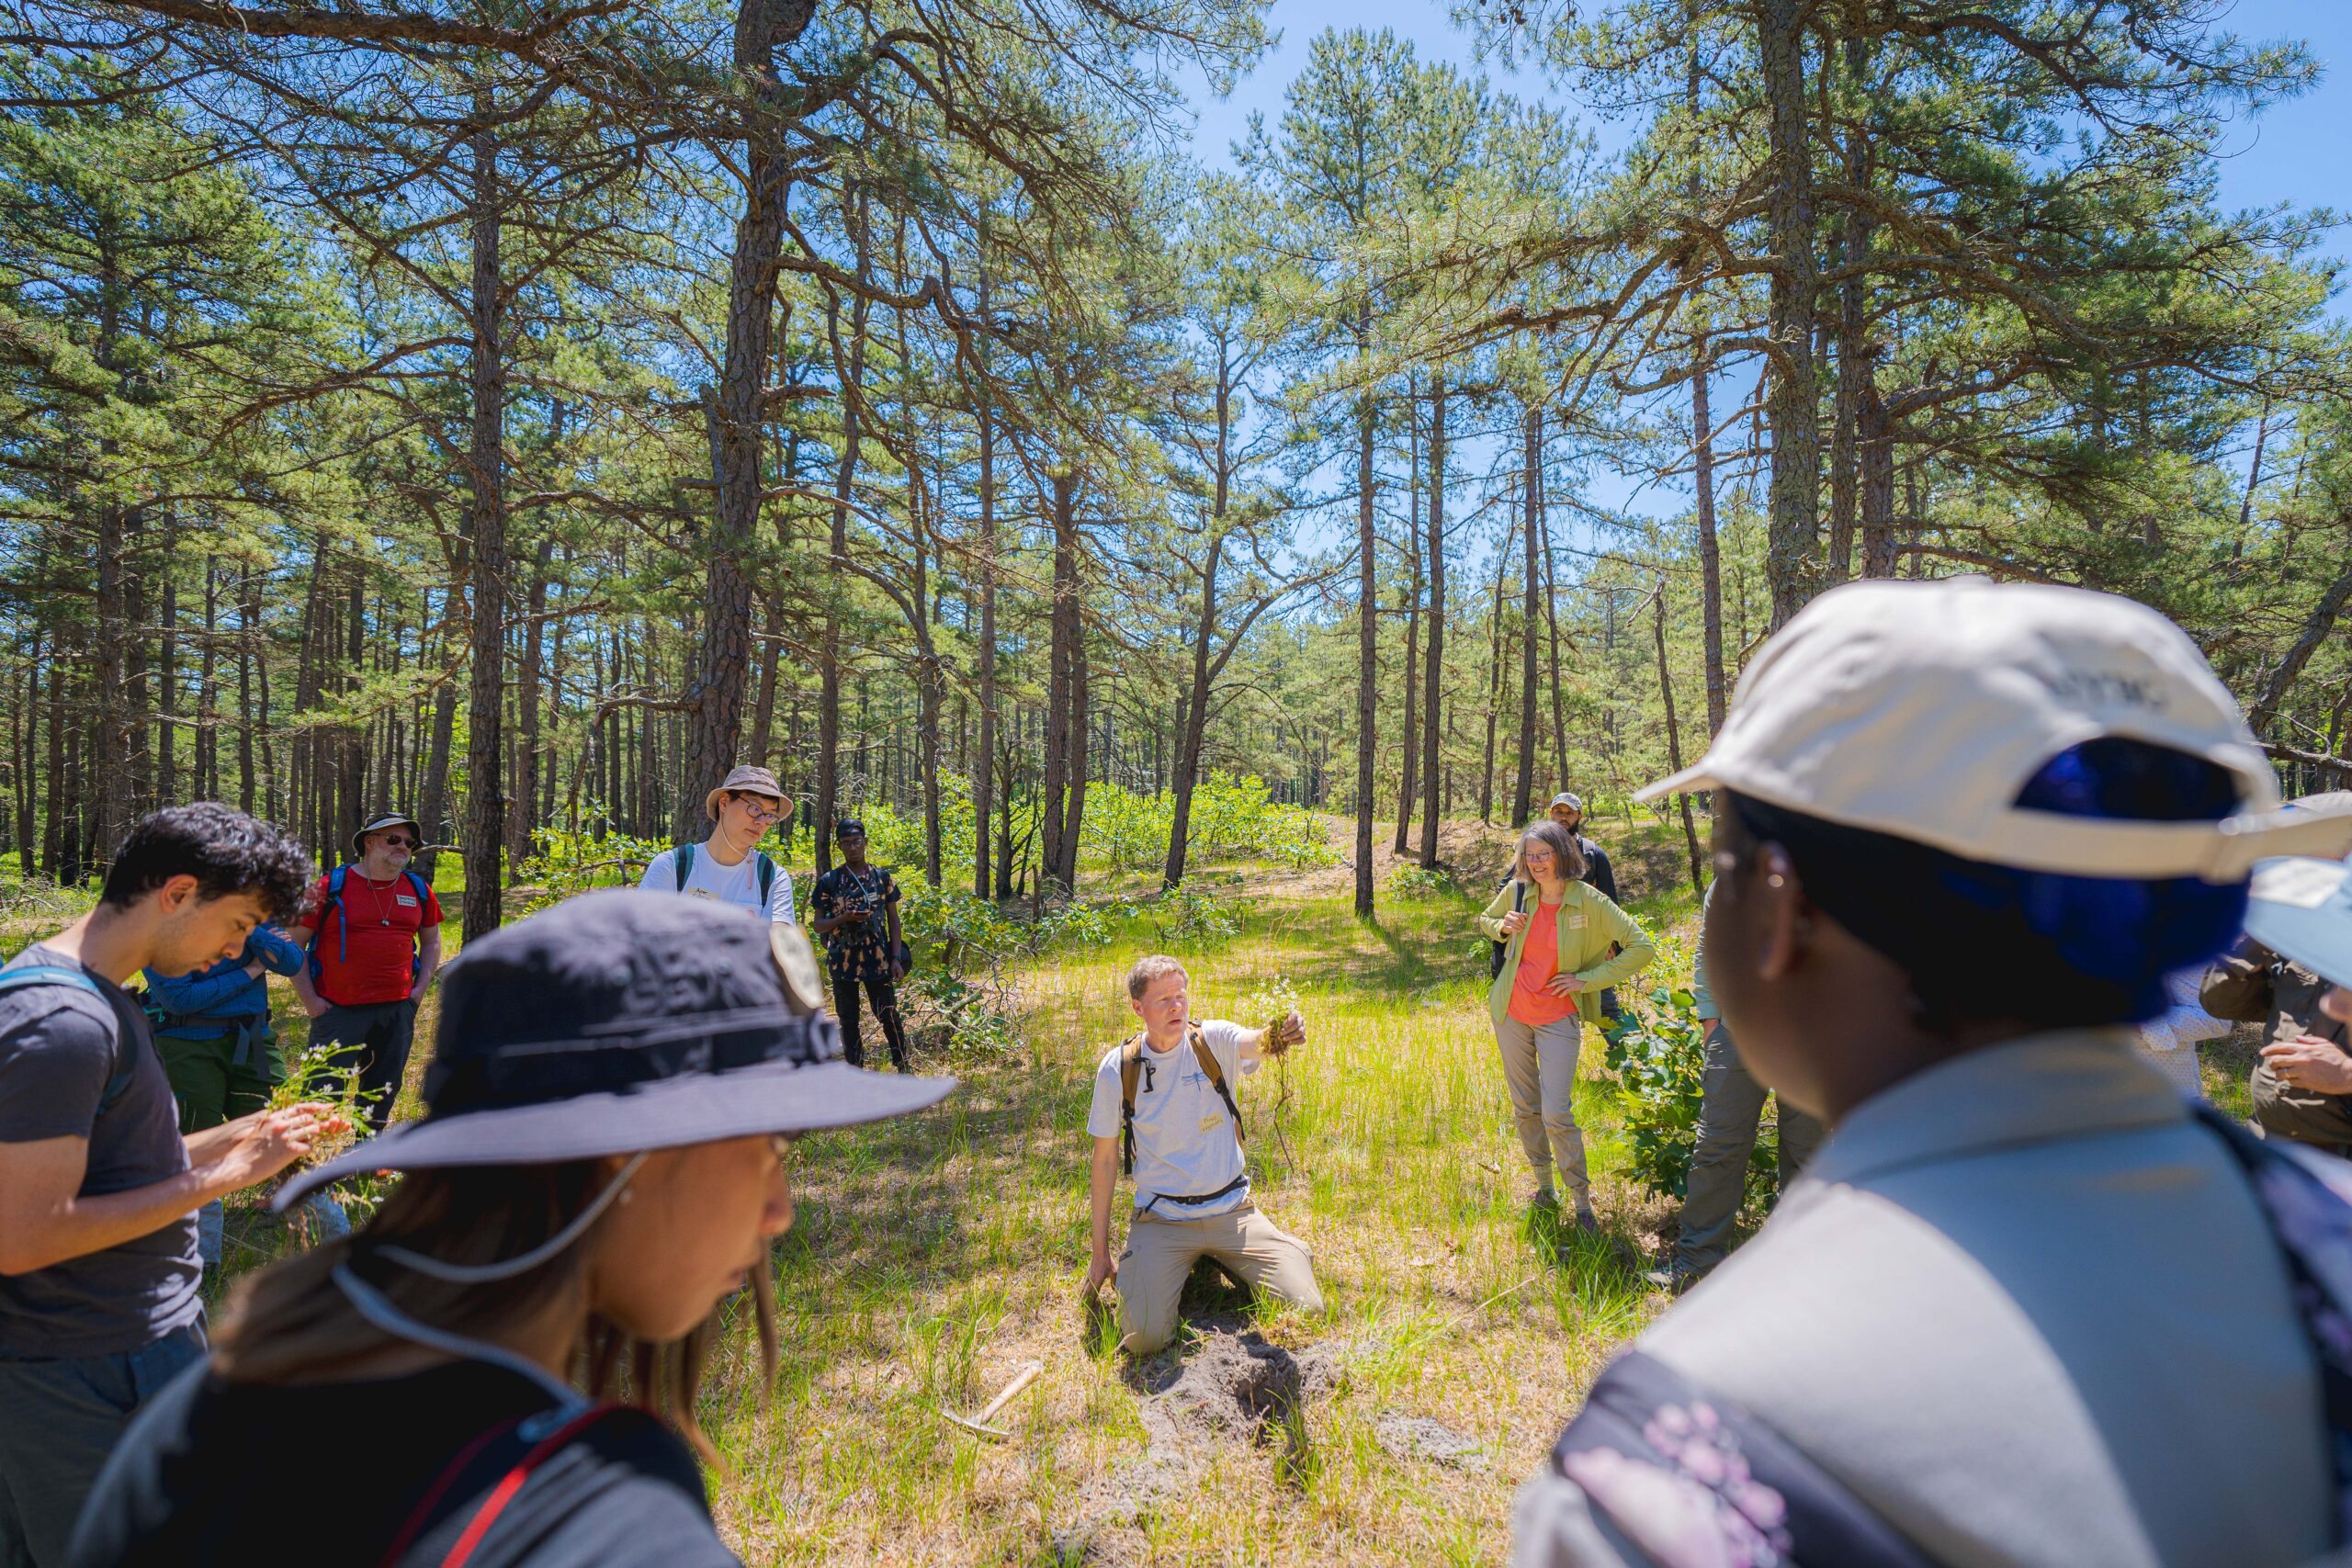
(1920, 709)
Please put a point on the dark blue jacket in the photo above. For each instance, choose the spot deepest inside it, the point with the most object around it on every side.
(225, 990)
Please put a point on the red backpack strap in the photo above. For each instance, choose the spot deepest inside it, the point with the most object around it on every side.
(502, 1492)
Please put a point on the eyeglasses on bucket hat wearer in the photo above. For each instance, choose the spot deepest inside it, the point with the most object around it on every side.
(620, 1022)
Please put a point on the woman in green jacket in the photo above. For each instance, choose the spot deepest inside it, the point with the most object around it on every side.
(1557, 953)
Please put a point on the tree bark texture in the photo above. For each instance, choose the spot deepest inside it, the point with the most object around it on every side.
(1792, 405)
(483, 838)
(1367, 624)
(1532, 495)
(1434, 683)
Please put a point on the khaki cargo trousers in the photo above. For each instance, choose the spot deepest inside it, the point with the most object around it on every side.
(1161, 1254)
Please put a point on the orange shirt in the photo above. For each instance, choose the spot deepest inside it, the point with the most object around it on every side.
(1538, 962)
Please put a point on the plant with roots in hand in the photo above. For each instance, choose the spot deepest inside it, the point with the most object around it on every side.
(1276, 1002)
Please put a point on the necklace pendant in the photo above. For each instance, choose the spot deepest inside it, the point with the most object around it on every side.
(383, 922)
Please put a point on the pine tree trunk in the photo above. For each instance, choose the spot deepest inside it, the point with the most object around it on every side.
(984, 767)
(27, 743)
(829, 691)
(1494, 682)
(248, 654)
(110, 732)
(1194, 729)
(1433, 683)
(1367, 620)
(167, 678)
(352, 770)
(1674, 741)
(1080, 690)
(51, 831)
(526, 706)
(1408, 781)
(1552, 643)
(483, 838)
(1064, 719)
(1531, 494)
(1792, 405)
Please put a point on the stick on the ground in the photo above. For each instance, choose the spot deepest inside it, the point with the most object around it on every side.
(1021, 1380)
(971, 1426)
(979, 1425)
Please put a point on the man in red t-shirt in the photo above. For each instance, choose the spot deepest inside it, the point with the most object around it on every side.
(374, 945)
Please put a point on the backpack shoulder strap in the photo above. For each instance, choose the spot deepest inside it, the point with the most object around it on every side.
(330, 905)
(1130, 1074)
(48, 975)
(58, 975)
(418, 883)
(683, 857)
(767, 877)
(1208, 1061)
(541, 1443)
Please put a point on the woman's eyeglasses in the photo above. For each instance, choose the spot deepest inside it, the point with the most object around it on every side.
(758, 810)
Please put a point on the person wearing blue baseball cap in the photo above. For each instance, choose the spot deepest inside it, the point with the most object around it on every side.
(599, 1165)
(2027, 1305)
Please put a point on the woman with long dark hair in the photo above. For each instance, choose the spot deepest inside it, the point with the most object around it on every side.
(1556, 930)
(594, 1183)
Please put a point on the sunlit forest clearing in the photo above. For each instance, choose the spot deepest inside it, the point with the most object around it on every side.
(515, 416)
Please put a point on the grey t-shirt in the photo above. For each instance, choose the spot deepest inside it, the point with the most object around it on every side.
(60, 1047)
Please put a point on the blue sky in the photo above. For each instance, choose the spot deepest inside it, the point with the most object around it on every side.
(2299, 151)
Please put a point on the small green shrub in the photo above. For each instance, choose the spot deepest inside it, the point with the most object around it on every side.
(563, 863)
(1659, 1058)
(1186, 914)
(1414, 882)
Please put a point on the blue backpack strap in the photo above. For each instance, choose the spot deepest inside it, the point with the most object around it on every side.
(767, 879)
(416, 959)
(332, 904)
(58, 975)
(684, 858)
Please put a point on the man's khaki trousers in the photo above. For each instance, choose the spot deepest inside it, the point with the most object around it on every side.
(1161, 1254)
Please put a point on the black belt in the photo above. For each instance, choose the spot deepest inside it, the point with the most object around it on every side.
(1237, 1182)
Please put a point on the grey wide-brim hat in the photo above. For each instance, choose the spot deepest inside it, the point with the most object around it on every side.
(622, 1022)
(2301, 909)
(377, 823)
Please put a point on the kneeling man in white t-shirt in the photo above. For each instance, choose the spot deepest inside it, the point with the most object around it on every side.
(1164, 1099)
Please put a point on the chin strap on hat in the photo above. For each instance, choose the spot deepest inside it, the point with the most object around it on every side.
(507, 1268)
(377, 1309)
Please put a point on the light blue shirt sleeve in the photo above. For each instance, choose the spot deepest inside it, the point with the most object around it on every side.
(780, 910)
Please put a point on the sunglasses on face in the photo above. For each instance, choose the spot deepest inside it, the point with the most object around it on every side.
(398, 840)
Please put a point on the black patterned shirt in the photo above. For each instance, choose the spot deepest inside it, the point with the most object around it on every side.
(859, 950)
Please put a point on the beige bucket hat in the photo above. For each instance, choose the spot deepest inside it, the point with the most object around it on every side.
(749, 781)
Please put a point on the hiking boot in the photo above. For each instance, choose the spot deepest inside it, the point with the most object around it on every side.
(1588, 1222)
(1675, 1277)
(1544, 1201)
